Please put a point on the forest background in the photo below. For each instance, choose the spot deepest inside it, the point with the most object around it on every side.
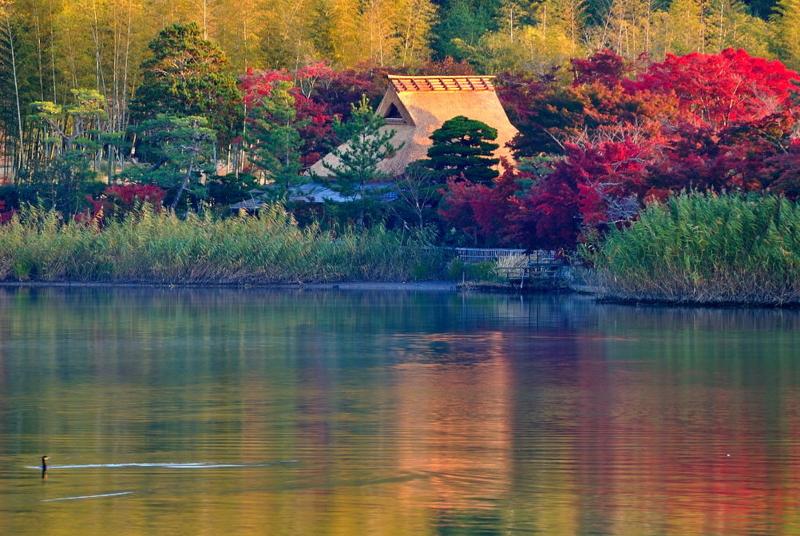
(85, 63)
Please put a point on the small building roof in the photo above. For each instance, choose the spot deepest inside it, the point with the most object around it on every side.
(313, 192)
(415, 106)
(442, 83)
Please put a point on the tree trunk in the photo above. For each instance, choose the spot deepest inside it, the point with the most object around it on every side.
(184, 184)
(20, 156)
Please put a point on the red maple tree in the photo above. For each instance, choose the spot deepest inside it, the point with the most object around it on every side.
(632, 132)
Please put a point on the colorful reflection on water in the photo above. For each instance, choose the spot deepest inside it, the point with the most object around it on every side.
(238, 412)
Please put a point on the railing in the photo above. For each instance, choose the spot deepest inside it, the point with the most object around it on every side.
(485, 255)
(533, 272)
(540, 266)
(493, 254)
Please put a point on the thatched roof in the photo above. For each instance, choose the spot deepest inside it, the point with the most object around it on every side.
(415, 106)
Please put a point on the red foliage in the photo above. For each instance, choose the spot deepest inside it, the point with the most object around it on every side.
(613, 114)
(258, 84)
(479, 210)
(703, 121)
(317, 132)
(459, 198)
(343, 88)
(5, 215)
(121, 199)
(546, 218)
(698, 159)
(586, 189)
(717, 90)
(781, 172)
(597, 107)
(320, 95)
(604, 66)
(128, 196)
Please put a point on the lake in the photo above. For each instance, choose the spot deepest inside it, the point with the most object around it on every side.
(250, 411)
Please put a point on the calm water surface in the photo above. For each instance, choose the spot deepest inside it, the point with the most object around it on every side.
(239, 412)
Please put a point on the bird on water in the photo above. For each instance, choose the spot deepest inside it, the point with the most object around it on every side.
(44, 464)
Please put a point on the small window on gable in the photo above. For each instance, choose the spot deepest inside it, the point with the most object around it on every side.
(393, 115)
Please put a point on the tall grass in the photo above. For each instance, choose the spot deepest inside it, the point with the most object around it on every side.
(161, 248)
(708, 249)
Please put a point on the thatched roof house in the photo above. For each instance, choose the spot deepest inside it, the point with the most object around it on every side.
(415, 106)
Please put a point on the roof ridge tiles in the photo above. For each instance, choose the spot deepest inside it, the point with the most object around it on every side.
(442, 83)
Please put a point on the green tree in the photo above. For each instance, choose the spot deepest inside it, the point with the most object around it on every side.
(72, 123)
(273, 139)
(681, 29)
(284, 42)
(239, 36)
(730, 25)
(463, 146)
(186, 77)
(12, 82)
(368, 143)
(336, 32)
(183, 148)
(787, 24)
(413, 22)
(418, 192)
(71, 133)
(627, 27)
(459, 29)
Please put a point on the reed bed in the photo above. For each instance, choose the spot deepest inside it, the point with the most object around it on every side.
(705, 248)
(149, 247)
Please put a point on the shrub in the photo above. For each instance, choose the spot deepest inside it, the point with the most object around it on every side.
(471, 271)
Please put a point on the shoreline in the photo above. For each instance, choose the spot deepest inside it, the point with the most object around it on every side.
(722, 303)
(431, 286)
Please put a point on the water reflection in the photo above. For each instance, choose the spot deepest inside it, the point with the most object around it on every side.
(188, 411)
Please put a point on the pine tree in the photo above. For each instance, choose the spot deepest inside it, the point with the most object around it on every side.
(74, 128)
(273, 139)
(184, 146)
(186, 77)
(463, 146)
(368, 143)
